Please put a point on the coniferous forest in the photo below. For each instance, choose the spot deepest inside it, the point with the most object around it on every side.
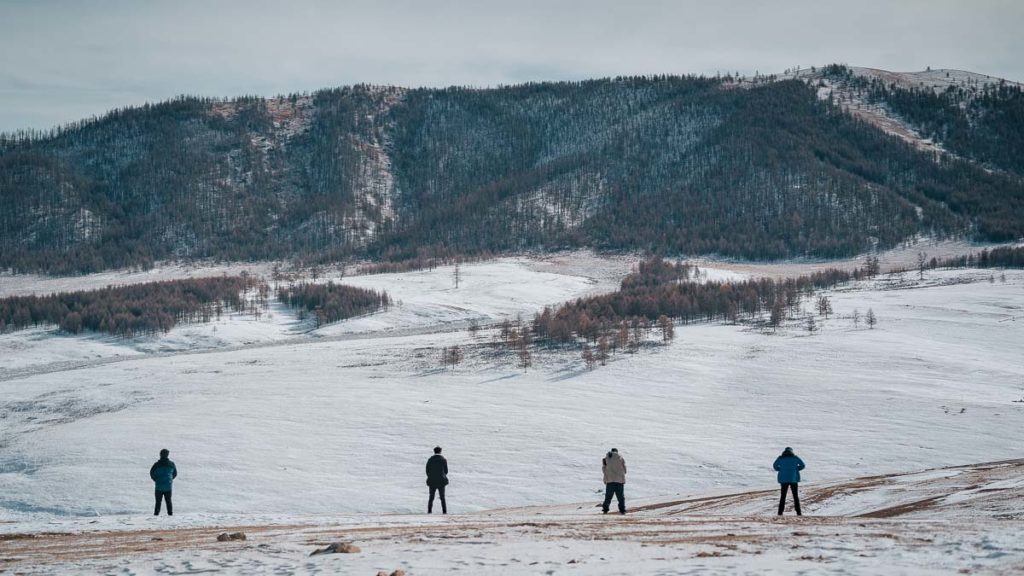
(667, 164)
(332, 302)
(663, 289)
(128, 311)
(156, 307)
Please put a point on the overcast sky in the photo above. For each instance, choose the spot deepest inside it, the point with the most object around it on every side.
(62, 60)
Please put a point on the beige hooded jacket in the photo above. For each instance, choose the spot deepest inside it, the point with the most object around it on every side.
(614, 468)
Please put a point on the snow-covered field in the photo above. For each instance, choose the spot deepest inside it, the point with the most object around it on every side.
(271, 423)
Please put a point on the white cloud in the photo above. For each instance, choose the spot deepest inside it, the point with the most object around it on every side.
(60, 60)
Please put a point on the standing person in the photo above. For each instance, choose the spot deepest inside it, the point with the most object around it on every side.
(789, 465)
(163, 473)
(613, 467)
(437, 479)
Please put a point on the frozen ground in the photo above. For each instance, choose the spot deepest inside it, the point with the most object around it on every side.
(425, 302)
(606, 269)
(947, 521)
(24, 284)
(329, 429)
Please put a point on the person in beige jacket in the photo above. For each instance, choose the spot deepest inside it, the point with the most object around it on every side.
(614, 468)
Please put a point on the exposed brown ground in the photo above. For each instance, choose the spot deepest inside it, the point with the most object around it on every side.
(57, 547)
(707, 526)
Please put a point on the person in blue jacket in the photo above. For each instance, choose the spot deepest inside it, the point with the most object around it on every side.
(789, 465)
(163, 473)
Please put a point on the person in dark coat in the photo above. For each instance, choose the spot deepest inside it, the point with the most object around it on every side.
(613, 468)
(789, 465)
(437, 479)
(163, 473)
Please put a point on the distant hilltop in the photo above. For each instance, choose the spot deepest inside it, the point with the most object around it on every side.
(824, 162)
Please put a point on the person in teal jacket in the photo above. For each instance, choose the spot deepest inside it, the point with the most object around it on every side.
(163, 473)
(789, 465)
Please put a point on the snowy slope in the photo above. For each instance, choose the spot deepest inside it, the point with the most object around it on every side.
(342, 422)
(944, 521)
(425, 301)
(304, 437)
(878, 114)
(939, 79)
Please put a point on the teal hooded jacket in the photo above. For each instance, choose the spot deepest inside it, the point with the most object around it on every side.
(788, 465)
(163, 473)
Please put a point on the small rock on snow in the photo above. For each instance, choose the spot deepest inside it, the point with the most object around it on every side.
(338, 548)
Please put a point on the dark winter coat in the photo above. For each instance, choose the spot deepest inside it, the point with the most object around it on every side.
(788, 466)
(163, 473)
(437, 471)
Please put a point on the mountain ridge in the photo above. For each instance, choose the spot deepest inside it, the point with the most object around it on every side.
(795, 165)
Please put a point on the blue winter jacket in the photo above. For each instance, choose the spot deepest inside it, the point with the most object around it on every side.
(163, 473)
(789, 468)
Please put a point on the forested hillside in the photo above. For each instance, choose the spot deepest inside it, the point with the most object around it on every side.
(686, 165)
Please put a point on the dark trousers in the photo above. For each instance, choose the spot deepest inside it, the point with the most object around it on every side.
(796, 499)
(430, 504)
(166, 496)
(618, 489)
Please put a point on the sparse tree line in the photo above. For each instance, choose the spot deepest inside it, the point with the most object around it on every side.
(514, 336)
(518, 337)
(451, 356)
(1001, 257)
(658, 293)
(649, 304)
(127, 311)
(332, 302)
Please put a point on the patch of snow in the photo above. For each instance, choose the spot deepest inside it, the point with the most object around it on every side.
(342, 424)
